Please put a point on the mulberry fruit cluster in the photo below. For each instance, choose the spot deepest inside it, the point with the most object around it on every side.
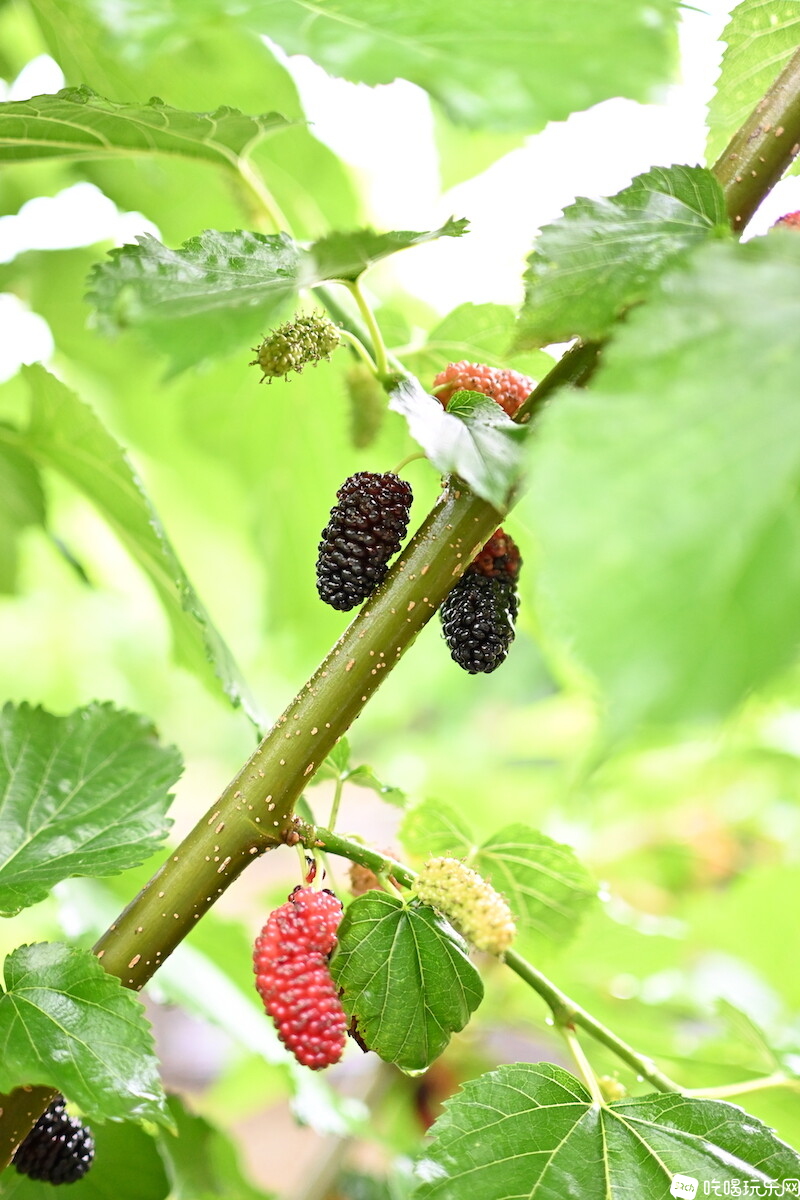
(306, 339)
(478, 614)
(469, 902)
(365, 529)
(290, 960)
(59, 1149)
(509, 388)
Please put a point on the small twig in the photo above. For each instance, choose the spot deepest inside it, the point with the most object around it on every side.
(777, 1079)
(583, 1065)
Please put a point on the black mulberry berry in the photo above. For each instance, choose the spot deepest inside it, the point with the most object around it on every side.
(365, 529)
(59, 1149)
(478, 621)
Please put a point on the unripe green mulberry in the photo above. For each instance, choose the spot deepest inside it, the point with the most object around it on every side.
(469, 902)
(306, 339)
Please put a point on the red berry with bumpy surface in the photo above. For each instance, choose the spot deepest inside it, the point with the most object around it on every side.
(509, 388)
(290, 960)
(364, 530)
(59, 1149)
(789, 221)
(499, 558)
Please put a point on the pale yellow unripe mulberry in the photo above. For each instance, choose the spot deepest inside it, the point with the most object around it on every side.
(469, 902)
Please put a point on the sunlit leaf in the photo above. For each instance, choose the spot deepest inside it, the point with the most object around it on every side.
(530, 1129)
(478, 333)
(84, 794)
(761, 36)
(76, 123)
(222, 290)
(22, 505)
(66, 1022)
(547, 888)
(664, 497)
(434, 829)
(67, 436)
(474, 438)
(602, 256)
(348, 255)
(501, 67)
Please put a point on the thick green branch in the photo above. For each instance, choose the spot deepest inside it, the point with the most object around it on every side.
(254, 812)
(761, 151)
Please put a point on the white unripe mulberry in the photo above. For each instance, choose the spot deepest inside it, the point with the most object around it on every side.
(469, 902)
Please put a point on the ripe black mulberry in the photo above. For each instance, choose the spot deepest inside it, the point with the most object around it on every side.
(59, 1149)
(478, 621)
(366, 528)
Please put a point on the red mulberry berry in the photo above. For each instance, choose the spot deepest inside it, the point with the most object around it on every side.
(478, 622)
(292, 977)
(499, 558)
(365, 529)
(59, 1149)
(509, 388)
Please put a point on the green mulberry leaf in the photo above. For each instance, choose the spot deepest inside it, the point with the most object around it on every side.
(84, 794)
(531, 1129)
(66, 1022)
(406, 978)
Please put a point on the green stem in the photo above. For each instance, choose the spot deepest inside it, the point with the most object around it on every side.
(365, 308)
(266, 211)
(566, 1012)
(337, 799)
(359, 347)
(254, 813)
(315, 837)
(761, 151)
(583, 1065)
(778, 1079)
(575, 367)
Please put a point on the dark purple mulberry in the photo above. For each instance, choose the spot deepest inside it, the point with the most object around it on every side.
(365, 529)
(478, 621)
(59, 1149)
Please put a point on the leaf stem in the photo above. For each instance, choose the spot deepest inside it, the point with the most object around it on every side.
(566, 1012)
(759, 152)
(337, 799)
(777, 1079)
(359, 347)
(368, 316)
(583, 1065)
(264, 207)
